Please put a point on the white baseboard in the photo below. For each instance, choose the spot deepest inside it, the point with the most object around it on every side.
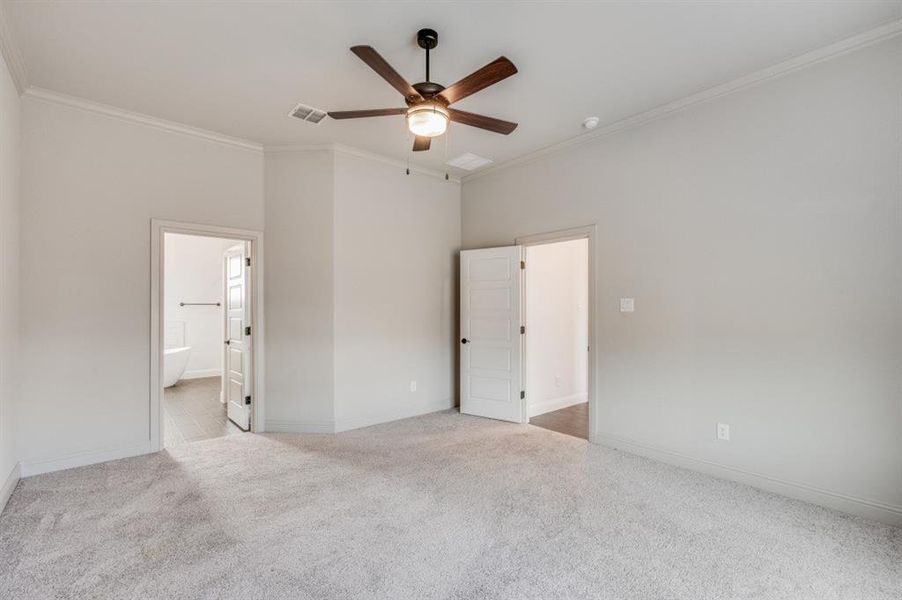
(6, 491)
(552, 404)
(201, 373)
(357, 421)
(870, 509)
(282, 426)
(405, 412)
(81, 459)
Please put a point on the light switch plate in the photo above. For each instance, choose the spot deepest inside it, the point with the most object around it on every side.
(627, 305)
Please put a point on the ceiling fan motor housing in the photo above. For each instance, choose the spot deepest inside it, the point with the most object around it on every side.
(428, 89)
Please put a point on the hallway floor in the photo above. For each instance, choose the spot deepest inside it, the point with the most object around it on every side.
(573, 420)
(192, 411)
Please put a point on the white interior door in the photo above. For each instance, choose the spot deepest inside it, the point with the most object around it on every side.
(490, 373)
(237, 368)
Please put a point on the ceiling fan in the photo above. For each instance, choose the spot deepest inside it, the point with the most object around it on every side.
(428, 103)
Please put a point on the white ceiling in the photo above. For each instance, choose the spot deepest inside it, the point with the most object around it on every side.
(239, 67)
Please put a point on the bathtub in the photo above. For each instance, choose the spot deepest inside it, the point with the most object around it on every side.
(174, 362)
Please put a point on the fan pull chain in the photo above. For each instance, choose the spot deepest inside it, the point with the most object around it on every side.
(447, 135)
(409, 145)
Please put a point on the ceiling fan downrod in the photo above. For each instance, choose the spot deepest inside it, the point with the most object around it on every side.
(427, 39)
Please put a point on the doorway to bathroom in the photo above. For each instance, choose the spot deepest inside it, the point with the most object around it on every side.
(204, 333)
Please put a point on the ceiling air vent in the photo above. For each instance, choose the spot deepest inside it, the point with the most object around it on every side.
(308, 113)
(469, 161)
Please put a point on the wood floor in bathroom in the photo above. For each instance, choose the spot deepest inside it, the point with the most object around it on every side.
(192, 411)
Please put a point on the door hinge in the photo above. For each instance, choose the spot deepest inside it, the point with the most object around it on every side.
(522, 329)
(247, 331)
(522, 395)
(522, 264)
(247, 399)
(247, 261)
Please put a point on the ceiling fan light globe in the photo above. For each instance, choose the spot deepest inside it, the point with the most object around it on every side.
(427, 120)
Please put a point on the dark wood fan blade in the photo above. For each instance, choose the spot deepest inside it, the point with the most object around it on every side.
(376, 112)
(421, 143)
(492, 73)
(375, 61)
(481, 121)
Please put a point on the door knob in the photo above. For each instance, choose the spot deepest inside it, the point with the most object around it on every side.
(464, 341)
(227, 342)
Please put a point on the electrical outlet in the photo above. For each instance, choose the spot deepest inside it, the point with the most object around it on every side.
(557, 381)
(723, 432)
(627, 305)
(413, 385)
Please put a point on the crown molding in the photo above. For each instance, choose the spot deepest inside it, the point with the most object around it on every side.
(291, 148)
(146, 120)
(363, 154)
(11, 53)
(840, 48)
(141, 119)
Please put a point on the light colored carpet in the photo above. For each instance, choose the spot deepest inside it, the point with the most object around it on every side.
(441, 506)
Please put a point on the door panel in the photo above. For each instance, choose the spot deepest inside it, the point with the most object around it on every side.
(490, 299)
(238, 345)
(490, 268)
(490, 378)
(234, 328)
(235, 296)
(490, 388)
(490, 358)
(490, 330)
(235, 361)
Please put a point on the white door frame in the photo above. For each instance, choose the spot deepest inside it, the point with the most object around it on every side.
(158, 228)
(565, 235)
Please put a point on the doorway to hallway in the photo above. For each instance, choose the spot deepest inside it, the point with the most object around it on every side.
(527, 331)
(556, 297)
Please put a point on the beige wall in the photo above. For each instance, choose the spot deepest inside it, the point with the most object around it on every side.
(90, 186)
(396, 238)
(299, 291)
(360, 288)
(10, 123)
(761, 237)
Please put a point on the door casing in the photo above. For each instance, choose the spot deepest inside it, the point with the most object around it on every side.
(158, 229)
